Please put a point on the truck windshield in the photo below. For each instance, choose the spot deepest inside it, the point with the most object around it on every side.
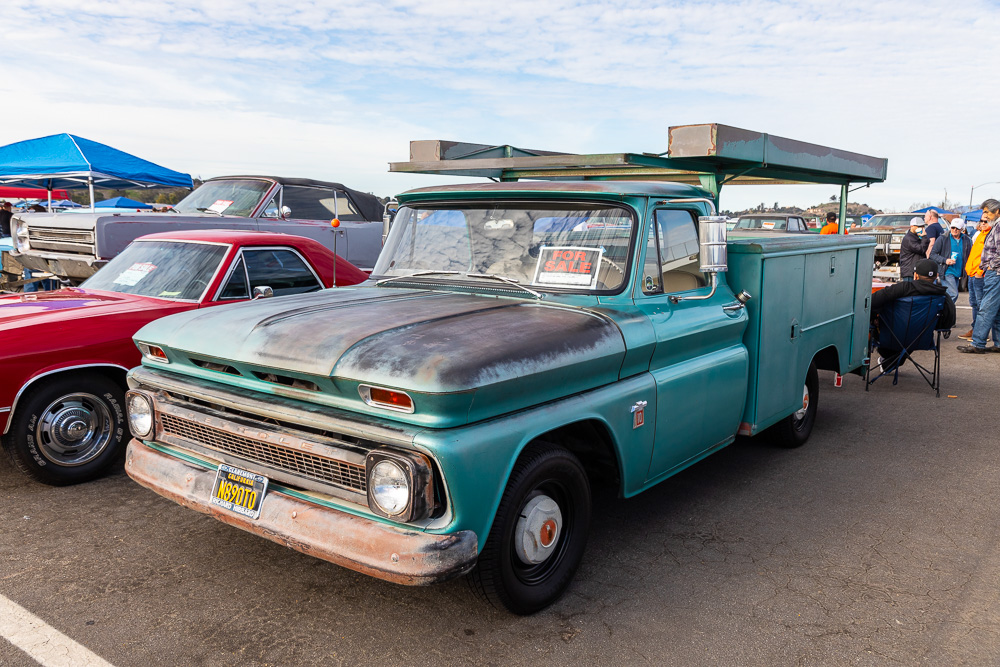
(557, 247)
(162, 269)
(237, 196)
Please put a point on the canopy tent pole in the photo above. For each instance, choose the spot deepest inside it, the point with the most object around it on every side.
(50, 194)
(90, 186)
(843, 207)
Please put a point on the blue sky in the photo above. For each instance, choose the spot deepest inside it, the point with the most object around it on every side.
(336, 90)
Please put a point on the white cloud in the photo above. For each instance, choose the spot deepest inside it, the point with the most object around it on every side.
(335, 89)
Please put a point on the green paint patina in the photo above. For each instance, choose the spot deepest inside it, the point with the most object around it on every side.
(492, 368)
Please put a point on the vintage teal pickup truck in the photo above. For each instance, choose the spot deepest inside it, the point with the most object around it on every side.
(516, 344)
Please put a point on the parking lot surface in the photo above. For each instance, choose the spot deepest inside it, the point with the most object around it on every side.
(876, 543)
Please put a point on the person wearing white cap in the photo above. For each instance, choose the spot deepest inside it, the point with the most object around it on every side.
(951, 252)
(912, 249)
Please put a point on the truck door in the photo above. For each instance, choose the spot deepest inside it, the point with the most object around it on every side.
(699, 361)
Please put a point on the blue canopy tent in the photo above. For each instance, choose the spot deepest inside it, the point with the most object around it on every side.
(121, 202)
(69, 161)
(973, 216)
(936, 209)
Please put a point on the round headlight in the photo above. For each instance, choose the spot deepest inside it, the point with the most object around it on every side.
(390, 487)
(140, 415)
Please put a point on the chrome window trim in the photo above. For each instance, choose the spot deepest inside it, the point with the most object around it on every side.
(246, 272)
(30, 382)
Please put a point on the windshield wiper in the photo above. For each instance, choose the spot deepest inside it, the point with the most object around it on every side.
(504, 279)
(208, 210)
(383, 281)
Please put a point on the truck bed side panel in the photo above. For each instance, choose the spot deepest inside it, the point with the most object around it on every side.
(808, 295)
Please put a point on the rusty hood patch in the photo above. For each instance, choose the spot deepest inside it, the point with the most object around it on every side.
(427, 341)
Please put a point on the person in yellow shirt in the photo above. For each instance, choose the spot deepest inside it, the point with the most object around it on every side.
(831, 224)
(976, 277)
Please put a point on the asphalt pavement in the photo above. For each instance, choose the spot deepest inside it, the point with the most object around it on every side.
(874, 544)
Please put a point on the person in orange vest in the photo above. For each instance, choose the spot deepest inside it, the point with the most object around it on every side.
(976, 278)
(831, 224)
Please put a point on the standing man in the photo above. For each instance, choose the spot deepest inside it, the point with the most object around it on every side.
(951, 252)
(831, 224)
(5, 215)
(932, 230)
(989, 305)
(912, 248)
(976, 279)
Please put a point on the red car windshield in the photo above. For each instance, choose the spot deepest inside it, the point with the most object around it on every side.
(163, 269)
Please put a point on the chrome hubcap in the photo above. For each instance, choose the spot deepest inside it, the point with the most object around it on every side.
(538, 530)
(801, 414)
(74, 429)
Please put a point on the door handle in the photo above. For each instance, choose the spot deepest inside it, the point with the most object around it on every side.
(733, 308)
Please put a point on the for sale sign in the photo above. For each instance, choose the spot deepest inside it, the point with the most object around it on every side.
(568, 266)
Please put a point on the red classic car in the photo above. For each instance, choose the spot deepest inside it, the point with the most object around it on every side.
(64, 354)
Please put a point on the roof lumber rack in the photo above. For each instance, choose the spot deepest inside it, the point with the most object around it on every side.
(707, 155)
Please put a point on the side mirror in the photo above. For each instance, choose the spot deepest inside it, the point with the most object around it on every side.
(388, 213)
(262, 292)
(286, 212)
(712, 240)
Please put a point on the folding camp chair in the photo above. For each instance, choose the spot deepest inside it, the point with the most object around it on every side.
(908, 325)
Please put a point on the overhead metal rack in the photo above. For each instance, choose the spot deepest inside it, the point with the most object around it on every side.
(707, 155)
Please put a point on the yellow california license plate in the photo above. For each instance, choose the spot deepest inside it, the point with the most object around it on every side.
(239, 491)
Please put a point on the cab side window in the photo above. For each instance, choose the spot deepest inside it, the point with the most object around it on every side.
(679, 265)
(281, 270)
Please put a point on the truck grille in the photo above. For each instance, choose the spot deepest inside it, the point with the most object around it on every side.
(883, 238)
(63, 240)
(319, 468)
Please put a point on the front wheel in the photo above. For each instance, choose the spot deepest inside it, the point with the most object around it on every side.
(794, 430)
(539, 532)
(67, 430)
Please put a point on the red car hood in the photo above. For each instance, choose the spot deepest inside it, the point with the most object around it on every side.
(71, 303)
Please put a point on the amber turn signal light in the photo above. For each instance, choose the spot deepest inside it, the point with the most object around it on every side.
(389, 399)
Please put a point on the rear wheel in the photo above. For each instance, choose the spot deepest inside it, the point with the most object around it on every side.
(794, 430)
(67, 430)
(539, 532)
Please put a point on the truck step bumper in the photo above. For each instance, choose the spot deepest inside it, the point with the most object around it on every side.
(399, 555)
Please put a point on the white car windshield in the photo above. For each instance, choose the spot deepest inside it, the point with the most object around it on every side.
(237, 196)
(558, 247)
(162, 269)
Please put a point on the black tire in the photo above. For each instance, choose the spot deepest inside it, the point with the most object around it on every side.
(502, 576)
(794, 430)
(68, 430)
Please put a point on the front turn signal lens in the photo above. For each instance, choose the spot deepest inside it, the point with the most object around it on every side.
(153, 353)
(390, 399)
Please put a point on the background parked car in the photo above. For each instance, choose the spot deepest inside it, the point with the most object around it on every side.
(74, 245)
(65, 352)
(777, 222)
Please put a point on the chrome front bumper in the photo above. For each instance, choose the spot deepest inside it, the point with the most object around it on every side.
(396, 554)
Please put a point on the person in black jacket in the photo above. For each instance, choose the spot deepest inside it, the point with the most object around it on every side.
(5, 215)
(951, 252)
(922, 285)
(912, 248)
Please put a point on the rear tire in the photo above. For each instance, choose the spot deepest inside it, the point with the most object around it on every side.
(68, 430)
(794, 430)
(538, 535)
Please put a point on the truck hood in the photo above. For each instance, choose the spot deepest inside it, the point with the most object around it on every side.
(509, 353)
